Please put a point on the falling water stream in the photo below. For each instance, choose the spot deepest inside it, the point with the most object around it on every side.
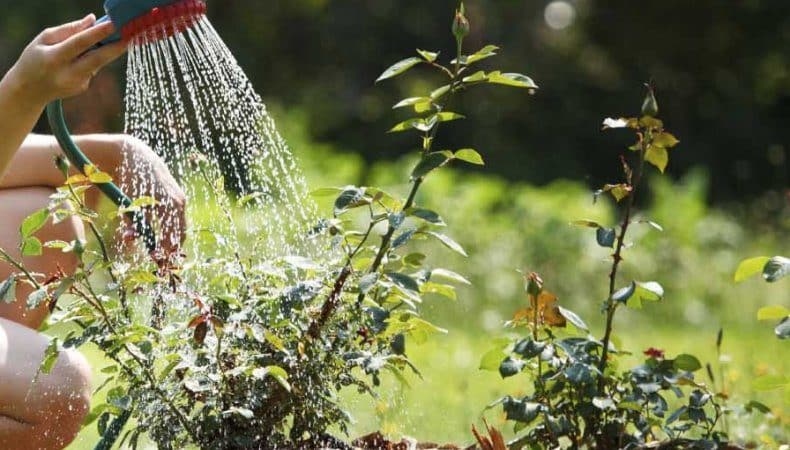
(188, 98)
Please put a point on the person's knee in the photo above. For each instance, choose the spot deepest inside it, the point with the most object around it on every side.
(66, 397)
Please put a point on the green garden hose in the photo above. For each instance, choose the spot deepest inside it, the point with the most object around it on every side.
(57, 123)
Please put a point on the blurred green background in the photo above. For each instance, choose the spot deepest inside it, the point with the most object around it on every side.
(722, 71)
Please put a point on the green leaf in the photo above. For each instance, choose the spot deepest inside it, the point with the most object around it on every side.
(776, 268)
(783, 329)
(471, 156)
(406, 125)
(100, 178)
(414, 101)
(649, 291)
(280, 375)
(50, 357)
(657, 156)
(586, 223)
(755, 405)
(622, 295)
(665, 140)
(606, 237)
(447, 116)
(426, 215)
(428, 56)
(750, 267)
(775, 312)
(404, 281)
(351, 197)
(770, 382)
(512, 79)
(440, 92)
(510, 367)
(8, 290)
(368, 282)
(326, 192)
(33, 223)
(36, 298)
(449, 276)
(574, 318)
(486, 52)
(32, 247)
(449, 243)
(444, 290)
(429, 163)
(686, 362)
(476, 77)
(399, 68)
(492, 359)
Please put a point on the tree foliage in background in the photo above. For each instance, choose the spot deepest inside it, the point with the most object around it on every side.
(726, 70)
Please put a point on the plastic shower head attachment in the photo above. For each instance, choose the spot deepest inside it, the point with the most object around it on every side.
(151, 19)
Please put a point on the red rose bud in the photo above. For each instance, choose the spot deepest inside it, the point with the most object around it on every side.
(461, 25)
(654, 353)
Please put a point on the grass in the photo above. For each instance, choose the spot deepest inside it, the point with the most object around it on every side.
(454, 393)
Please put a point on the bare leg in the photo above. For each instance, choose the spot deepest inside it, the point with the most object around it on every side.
(47, 414)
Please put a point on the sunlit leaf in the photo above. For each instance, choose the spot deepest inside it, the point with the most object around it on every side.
(399, 68)
(512, 79)
(776, 268)
(413, 101)
(574, 319)
(100, 178)
(486, 52)
(32, 247)
(586, 223)
(450, 276)
(448, 116)
(776, 312)
(666, 140)
(428, 56)
(449, 243)
(657, 156)
(34, 223)
(750, 267)
(476, 77)
(406, 125)
(469, 155)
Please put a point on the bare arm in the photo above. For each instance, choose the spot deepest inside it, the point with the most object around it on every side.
(33, 165)
(57, 64)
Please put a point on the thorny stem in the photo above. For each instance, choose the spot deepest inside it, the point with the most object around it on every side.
(611, 307)
(334, 297)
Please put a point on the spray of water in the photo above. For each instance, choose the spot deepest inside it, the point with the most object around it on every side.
(188, 98)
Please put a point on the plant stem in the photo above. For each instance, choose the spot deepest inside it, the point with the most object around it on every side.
(611, 308)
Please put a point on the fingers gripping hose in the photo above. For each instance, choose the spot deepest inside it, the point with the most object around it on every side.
(57, 123)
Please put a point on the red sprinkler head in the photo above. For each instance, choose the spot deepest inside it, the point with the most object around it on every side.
(163, 22)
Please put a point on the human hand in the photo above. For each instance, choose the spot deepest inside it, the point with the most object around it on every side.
(60, 62)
